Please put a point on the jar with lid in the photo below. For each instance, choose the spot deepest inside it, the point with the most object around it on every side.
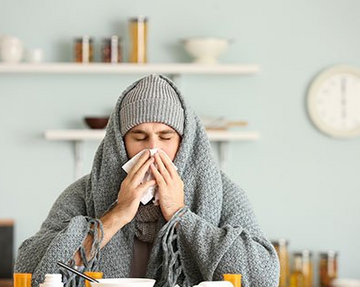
(281, 247)
(111, 50)
(327, 267)
(302, 264)
(138, 39)
(84, 50)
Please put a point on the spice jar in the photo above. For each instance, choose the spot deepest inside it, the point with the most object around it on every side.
(84, 50)
(111, 50)
(281, 247)
(302, 264)
(138, 39)
(327, 268)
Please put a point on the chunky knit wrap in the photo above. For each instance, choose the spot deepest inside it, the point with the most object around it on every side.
(215, 233)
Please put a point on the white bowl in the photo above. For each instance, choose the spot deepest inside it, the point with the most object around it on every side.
(205, 50)
(124, 282)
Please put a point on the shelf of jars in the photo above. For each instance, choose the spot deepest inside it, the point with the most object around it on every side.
(128, 68)
(220, 137)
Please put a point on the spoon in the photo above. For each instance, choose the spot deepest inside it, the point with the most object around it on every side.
(77, 272)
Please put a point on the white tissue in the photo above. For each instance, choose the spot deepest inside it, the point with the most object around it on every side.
(152, 191)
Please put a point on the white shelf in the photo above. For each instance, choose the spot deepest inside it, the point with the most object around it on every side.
(126, 68)
(88, 135)
(78, 136)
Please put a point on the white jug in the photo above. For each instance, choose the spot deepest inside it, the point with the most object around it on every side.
(11, 49)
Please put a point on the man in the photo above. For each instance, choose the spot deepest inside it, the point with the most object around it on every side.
(200, 227)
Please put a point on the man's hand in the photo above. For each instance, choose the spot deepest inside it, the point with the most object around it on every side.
(170, 185)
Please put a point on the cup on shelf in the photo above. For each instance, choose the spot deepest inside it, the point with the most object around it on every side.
(35, 56)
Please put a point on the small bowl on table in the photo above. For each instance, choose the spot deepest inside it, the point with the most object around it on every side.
(96, 122)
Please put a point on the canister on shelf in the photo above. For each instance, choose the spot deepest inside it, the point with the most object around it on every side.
(84, 50)
(281, 246)
(138, 39)
(327, 267)
(111, 50)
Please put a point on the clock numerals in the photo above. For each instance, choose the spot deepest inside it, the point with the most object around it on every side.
(334, 102)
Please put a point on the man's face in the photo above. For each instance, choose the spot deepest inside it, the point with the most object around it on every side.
(152, 135)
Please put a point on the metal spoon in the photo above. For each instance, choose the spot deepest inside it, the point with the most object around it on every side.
(77, 272)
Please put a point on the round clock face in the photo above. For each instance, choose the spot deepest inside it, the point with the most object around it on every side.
(334, 102)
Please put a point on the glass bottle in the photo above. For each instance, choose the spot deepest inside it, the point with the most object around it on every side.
(297, 276)
(281, 247)
(138, 39)
(111, 50)
(303, 264)
(327, 268)
(84, 50)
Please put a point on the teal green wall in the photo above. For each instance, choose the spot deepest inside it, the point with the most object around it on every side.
(303, 185)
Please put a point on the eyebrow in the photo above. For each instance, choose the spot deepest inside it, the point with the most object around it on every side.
(163, 132)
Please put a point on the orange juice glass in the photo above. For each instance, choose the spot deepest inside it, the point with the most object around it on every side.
(22, 279)
(94, 275)
(235, 279)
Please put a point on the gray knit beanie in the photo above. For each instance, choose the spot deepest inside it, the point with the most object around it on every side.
(152, 99)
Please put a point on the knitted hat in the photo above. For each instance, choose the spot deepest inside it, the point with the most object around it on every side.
(152, 99)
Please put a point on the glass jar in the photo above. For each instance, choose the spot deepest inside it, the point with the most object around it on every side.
(138, 39)
(111, 50)
(327, 268)
(281, 247)
(303, 265)
(297, 276)
(84, 50)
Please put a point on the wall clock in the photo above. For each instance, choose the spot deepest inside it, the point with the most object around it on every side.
(333, 102)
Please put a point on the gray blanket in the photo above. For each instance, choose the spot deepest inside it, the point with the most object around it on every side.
(215, 233)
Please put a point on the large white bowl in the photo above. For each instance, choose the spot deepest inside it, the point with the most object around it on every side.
(205, 50)
(124, 282)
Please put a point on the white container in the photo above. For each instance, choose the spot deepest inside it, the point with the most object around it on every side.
(11, 49)
(52, 280)
(34, 56)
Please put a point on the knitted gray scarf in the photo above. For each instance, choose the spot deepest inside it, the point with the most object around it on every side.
(215, 233)
(147, 222)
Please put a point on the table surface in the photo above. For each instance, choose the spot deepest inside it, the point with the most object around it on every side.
(6, 282)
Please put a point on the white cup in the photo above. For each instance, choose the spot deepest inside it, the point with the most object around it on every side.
(11, 49)
(35, 56)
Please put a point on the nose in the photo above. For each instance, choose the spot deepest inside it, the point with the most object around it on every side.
(152, 143)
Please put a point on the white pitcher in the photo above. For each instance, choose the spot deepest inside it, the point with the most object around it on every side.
(11, 49)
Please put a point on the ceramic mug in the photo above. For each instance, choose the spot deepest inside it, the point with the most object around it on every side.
(11, 49)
